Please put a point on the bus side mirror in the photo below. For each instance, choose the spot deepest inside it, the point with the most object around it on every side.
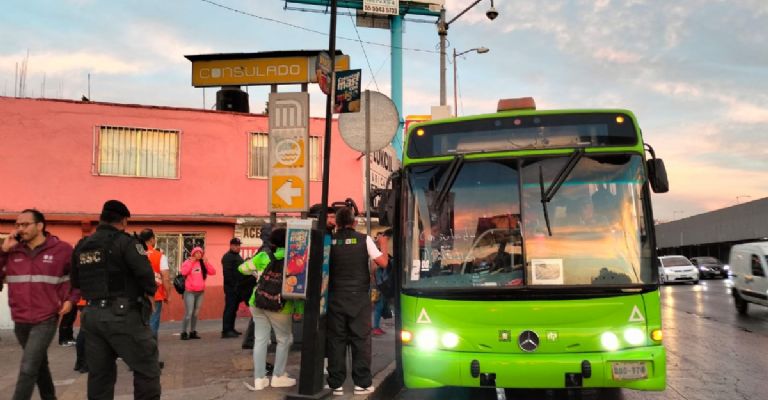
(657, 174)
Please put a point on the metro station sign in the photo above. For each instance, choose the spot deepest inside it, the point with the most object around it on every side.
(288, 139)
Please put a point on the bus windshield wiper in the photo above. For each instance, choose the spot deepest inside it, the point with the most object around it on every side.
(562, 175)
(450, 177)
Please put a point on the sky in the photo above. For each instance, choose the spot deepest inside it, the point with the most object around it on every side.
(694, 72)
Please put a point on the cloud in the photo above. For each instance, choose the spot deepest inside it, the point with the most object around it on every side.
(59, 63)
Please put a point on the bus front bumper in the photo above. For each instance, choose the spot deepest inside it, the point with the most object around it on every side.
(642, 368)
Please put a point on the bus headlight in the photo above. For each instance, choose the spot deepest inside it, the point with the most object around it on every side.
(610, 341)
(656, 335)
(634, 336)
(426, 339)
(450, 340)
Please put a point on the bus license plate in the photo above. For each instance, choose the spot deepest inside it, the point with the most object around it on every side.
(629, 370)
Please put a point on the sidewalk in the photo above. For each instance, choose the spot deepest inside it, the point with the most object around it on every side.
(209, 368)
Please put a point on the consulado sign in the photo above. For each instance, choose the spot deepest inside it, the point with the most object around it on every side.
(347, 91)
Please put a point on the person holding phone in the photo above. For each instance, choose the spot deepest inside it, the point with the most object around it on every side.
(36, 266)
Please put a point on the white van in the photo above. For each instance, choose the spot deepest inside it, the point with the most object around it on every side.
(749, 266)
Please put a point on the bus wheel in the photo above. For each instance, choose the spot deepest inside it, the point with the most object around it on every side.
(741, 304)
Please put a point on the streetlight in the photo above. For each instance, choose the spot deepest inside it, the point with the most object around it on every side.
(479, 50)
(442, 31)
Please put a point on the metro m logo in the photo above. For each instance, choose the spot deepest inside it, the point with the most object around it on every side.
(288, 114)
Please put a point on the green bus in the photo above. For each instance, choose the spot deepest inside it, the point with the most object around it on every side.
(524, 251)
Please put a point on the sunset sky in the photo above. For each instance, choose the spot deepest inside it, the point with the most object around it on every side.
(694, 72)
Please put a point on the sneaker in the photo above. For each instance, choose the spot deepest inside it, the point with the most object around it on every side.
(193, 335)
(283, 381)
(68, 343)
(377, 332)
(360, 390)
(258, 384)
(184, 336)
(339, 391)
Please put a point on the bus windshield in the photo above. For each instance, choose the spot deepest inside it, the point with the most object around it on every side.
(489, 229)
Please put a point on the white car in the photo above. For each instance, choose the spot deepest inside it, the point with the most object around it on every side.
(749, 265)
(677, 269)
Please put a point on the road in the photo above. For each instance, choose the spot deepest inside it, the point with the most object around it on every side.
(712, 353)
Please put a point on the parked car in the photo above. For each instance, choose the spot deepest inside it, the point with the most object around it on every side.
(677, 269)
(710, 267)
(749, 267)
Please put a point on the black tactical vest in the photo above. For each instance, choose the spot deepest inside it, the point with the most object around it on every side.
(98, 275)
(349, 271)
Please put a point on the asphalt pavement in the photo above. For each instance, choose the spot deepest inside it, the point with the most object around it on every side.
(209, 368)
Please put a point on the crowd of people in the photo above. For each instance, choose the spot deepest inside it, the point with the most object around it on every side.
(120, 283)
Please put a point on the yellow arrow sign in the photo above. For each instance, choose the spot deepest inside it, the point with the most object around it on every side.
(287, 193)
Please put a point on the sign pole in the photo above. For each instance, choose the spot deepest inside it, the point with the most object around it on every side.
(313, 345)
(368, 162)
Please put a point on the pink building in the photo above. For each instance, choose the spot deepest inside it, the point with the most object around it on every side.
(194, 176)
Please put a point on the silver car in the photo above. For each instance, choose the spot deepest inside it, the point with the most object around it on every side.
(677, 269)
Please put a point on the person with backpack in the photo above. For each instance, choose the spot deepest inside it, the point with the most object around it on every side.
(195, 271)
(270, 311)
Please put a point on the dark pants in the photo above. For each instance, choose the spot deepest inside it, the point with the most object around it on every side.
(66, 326)
(80, 350)
(349, 324)
(108, 336)
(231, 302)
(248, 336)
(35, 339)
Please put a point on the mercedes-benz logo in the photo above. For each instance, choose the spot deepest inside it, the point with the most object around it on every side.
(528, 341)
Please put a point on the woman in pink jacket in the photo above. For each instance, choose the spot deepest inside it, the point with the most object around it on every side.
(195, 270)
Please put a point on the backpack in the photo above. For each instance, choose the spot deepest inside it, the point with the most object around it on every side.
(384, 281)
(179, 283)
(270, 285)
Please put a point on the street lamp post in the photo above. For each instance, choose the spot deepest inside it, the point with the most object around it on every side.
(479, 50)
(442, 31)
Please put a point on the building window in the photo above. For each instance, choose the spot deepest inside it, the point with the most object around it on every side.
(259, 157)
(150, 153)
(176, 246)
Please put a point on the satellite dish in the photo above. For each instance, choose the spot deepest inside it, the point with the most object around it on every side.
(384, 123)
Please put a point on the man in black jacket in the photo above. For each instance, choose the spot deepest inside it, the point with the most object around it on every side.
(113, 273)
(229, 263)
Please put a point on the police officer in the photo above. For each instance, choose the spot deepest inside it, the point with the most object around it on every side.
(115, 278)
(349, 304)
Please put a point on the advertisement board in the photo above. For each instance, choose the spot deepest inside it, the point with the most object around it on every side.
(295, 273)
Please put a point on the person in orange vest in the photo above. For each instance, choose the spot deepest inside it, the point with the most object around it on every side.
(162, 280)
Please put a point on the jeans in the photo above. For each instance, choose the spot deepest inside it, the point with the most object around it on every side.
(378, 310)
(35, 339)
(154, 319)
(262, 322)
(192, 303)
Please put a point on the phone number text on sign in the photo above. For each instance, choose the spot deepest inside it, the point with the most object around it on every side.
(388, 7)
